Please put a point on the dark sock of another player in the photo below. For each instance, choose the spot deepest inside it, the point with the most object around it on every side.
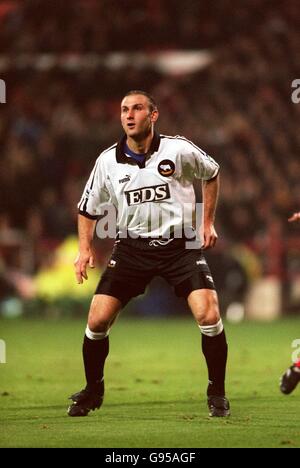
(95, 352)
(215, 349)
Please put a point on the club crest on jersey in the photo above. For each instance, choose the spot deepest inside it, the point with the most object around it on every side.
(155, 193)
(166, 168)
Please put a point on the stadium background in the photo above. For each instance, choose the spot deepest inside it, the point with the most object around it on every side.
(222, 74)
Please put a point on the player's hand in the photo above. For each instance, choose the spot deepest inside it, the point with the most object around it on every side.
(209, 236)
(295, 217)
(83, 259)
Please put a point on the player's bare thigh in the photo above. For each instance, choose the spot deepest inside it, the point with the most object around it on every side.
(204, 305)
(103, 312)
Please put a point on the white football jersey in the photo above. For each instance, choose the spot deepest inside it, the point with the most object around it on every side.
(154, 198)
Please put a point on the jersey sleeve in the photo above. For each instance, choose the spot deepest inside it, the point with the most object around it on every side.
(95, 193)
(197, 163)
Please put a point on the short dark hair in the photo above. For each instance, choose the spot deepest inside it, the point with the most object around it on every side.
(152, 103)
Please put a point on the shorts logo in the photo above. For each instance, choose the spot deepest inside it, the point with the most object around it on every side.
(155, 193)
(201, 262)
(166, 168)
(209, 278)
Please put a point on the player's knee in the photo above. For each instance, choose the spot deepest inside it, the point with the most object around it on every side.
(208, 311)
(98, 321)
(209, 318)
(101, 317)
(98, 324)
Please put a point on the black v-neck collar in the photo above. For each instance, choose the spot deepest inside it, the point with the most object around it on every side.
(123, 159)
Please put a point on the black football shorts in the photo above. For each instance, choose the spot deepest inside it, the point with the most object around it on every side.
(134, 262)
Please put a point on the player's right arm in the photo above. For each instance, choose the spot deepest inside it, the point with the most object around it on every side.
(94, 196)
(86, 228)
(295, 217)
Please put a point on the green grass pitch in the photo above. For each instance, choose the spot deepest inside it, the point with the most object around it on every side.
(155, 386)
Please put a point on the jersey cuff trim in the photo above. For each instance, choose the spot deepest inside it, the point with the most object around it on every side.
(87, 215)
(214, 176)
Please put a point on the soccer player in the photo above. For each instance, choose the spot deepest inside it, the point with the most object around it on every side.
(291, 377)
(146, 176)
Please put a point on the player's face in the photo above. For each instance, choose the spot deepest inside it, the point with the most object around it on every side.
(136, 117)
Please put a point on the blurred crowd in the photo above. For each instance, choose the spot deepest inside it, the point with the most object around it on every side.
(238, 109)
(102, 25)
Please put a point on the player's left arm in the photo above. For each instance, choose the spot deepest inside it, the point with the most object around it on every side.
(198, 164)
(210, 190)
(207, 169)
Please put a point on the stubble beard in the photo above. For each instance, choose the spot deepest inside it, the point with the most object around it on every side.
(141, 136)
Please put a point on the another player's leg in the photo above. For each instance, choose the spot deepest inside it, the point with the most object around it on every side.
(103, 311)
(290, 378)
(205, 308)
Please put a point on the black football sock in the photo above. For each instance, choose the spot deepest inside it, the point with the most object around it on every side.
(94, 354)
(215, 351)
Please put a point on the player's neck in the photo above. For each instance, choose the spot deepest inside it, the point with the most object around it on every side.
(140, 146)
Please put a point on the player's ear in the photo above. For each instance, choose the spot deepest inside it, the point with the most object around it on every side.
(154, 115)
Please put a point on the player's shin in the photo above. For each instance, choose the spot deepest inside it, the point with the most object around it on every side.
(95, 351)
(214, 347)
